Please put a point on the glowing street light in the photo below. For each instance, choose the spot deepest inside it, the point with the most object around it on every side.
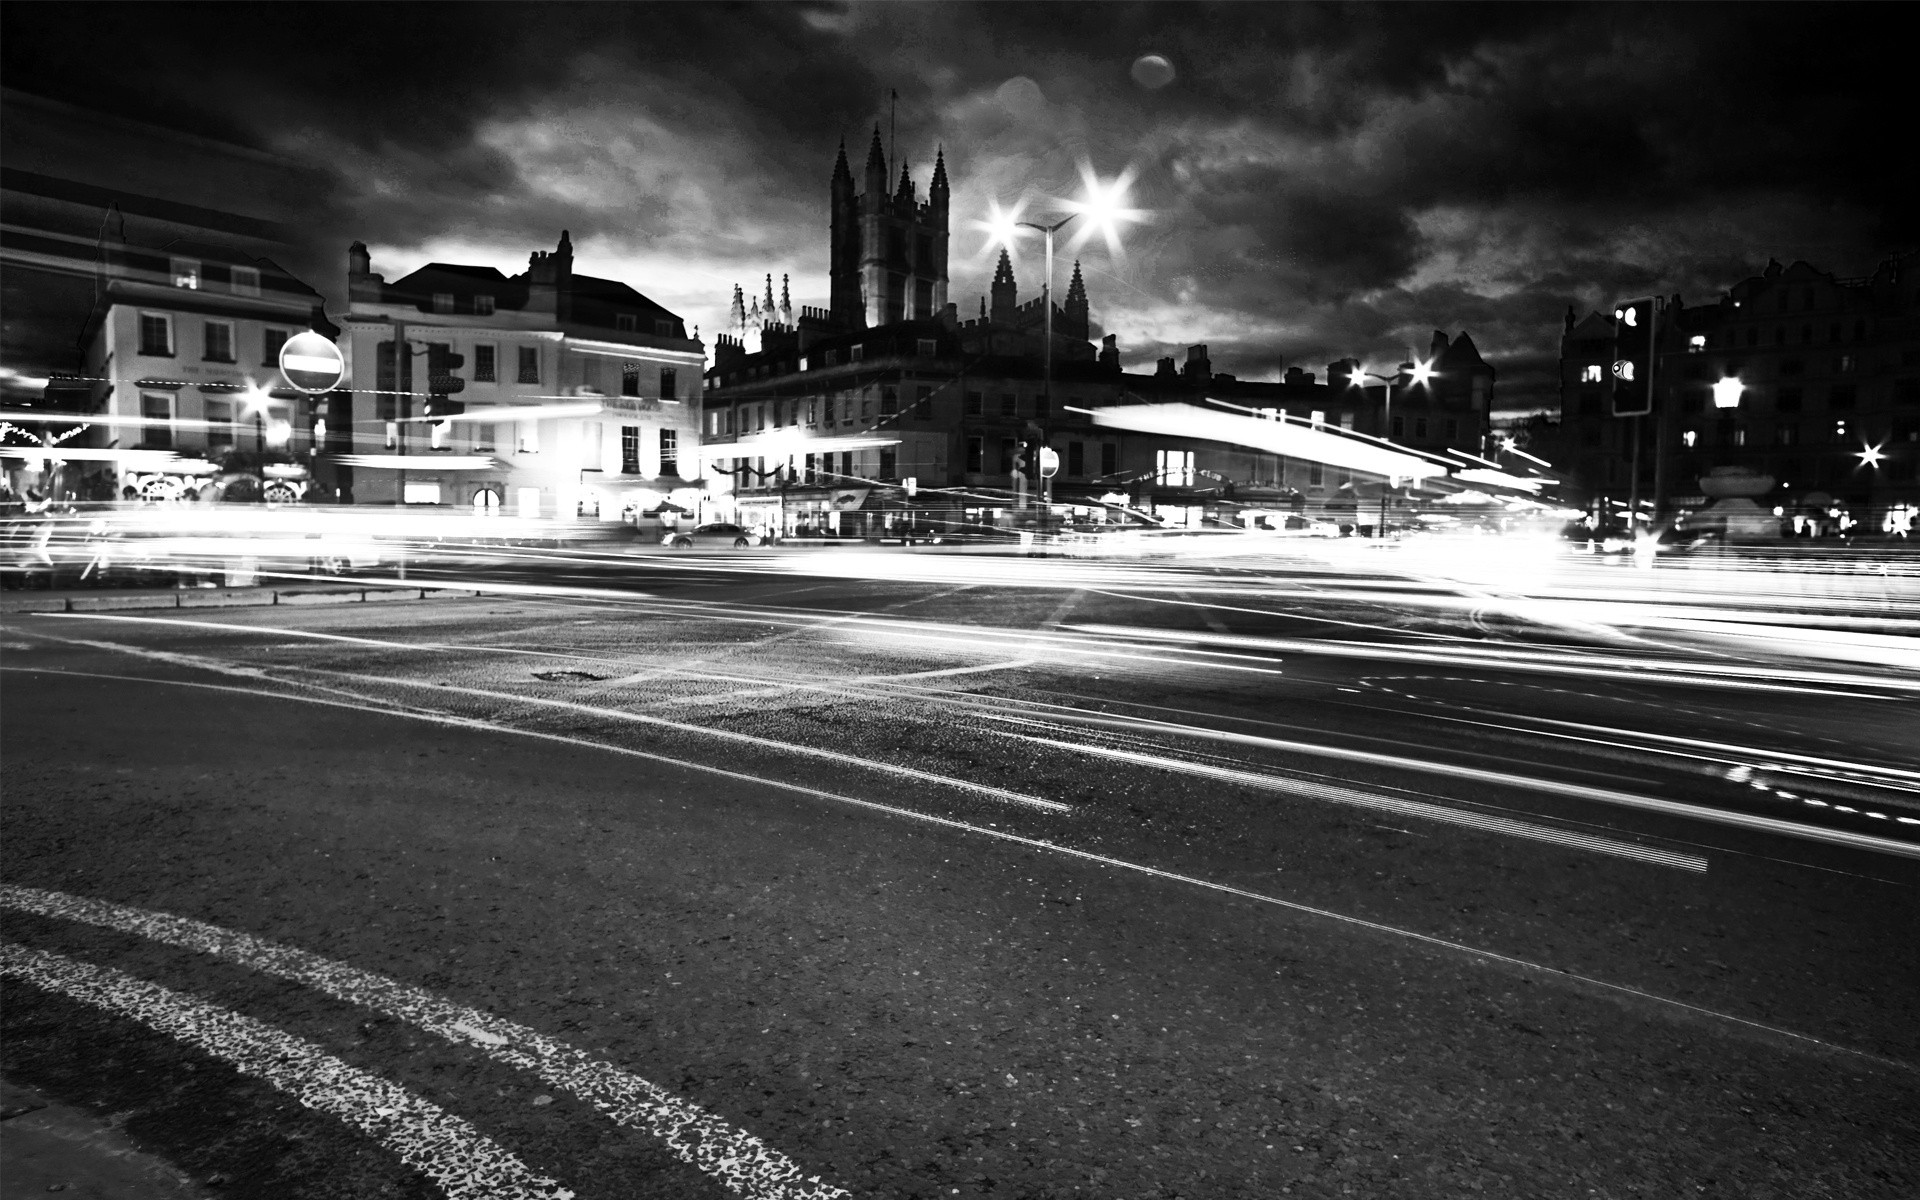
(1726, 392)
(1100, 209)
(254, 402)
(1870, 456)
(1417, 372)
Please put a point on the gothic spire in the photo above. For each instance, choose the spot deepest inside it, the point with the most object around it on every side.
(1003, 273)
(840, 169)
(876, 157)
(786, 302)
(938, 188)
(904, 193)
(1077, 289)
(768, 307)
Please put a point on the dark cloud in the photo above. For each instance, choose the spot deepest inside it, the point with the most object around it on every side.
(1326, 179)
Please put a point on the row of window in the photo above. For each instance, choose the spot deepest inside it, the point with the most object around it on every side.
(188, 273)
(1075, 466)
(219, 343)
(1730, 431)
(1420, 426)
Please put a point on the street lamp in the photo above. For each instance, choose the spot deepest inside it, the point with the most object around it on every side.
(254, 401)
(1104, 207)
(1420, 372)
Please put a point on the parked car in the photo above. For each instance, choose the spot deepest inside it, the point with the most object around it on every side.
(710, 535)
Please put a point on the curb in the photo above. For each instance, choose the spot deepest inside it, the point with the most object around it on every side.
(51, 1147)
(221, 598)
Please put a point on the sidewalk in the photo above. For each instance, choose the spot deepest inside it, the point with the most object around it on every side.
(114, 599)
(50, 1148)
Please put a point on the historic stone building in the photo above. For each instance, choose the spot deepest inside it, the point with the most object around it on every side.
(577, 397)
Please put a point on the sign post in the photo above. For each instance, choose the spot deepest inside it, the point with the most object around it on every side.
(311, 363)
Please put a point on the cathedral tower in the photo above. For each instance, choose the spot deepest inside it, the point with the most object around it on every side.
(889, 252)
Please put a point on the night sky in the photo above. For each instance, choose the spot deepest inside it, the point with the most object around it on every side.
(1322, 180)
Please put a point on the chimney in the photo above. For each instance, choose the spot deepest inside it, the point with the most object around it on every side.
(1197, 370)
(1164, 369)
(363, 286)
(1110, 352)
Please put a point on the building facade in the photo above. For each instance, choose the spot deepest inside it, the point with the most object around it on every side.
(1827, 407)
(546, 394)
(885, 408)
(182, 358)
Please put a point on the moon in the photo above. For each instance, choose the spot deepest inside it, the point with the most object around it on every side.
(1152, 71)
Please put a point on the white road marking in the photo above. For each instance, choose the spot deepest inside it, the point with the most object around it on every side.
(465, 1163)
(732, 1157)
(1618, 989)
(1484, 822)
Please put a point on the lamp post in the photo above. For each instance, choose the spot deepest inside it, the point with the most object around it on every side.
(1046, 369)
(1421, 373)
(1103, 206)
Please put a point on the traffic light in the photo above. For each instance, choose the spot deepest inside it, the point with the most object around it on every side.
(912, 485)
(1023, 459)
(439, 408)
(1633, 342)
(442, 362)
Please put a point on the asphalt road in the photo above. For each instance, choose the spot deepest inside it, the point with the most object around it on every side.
(907, 875)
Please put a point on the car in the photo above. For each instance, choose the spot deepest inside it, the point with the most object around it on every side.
(710, 535)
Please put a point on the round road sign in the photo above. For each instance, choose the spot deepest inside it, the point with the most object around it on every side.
(311, 363)
(1049, 462)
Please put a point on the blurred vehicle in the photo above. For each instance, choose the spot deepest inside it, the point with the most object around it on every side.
(1292, 525)
(735, 536)
(1098, 540)
(970, 534)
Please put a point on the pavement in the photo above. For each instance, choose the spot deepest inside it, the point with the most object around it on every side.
(996, 879)
(47, 1147)
(122, 599)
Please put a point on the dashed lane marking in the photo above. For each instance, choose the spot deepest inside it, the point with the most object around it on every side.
(465, 1163)
(1483, 822)
(733, 1157)
(1602, 985)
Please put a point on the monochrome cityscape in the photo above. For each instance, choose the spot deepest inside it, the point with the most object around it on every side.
(855, 599)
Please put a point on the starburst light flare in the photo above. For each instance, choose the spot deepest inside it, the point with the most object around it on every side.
(1002, 228)
(1102, 209)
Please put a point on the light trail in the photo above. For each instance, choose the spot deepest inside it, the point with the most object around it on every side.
(1406, 808)
(732, 1157)
(463, 1162)
(1605, 987)
(800, 749)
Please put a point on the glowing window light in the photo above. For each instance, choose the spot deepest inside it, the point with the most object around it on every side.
(1726, 392)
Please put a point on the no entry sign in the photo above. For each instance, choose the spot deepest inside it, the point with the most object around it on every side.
(311, 363)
